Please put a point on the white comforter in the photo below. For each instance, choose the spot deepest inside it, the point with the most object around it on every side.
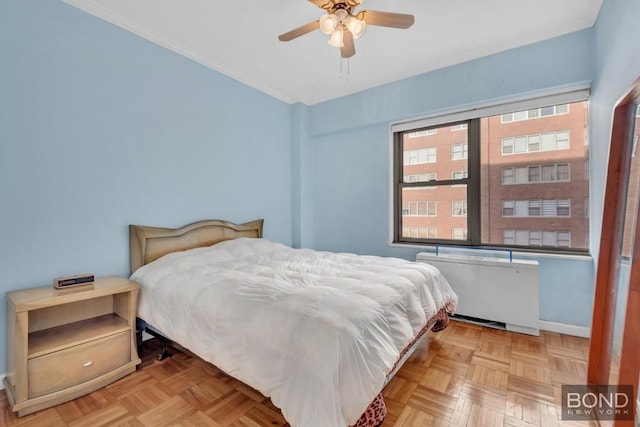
(315, 331)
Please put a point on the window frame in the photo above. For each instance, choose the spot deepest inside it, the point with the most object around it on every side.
(472, 182)
(472, 115)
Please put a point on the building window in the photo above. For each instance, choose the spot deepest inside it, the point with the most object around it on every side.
(459, 151)
(558, 239)
(537, 207)
(459, 208)
(421, 232)
(421, 177)
(532, 143)
(420, 133)
(421, 155)
(458, 233)
(477, 181)
(536, 174)
(428, 208)
(535, 113)
(459, 174)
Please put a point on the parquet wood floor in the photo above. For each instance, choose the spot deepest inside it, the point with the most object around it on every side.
(464, 376)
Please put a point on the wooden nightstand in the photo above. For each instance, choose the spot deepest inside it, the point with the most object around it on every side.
(64, 344)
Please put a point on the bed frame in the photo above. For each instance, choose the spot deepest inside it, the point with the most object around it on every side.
(150, 243)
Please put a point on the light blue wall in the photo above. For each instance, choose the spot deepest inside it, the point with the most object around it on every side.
(302, 184)
(100, 128)
(350, 153)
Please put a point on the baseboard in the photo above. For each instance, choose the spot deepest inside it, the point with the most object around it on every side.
(2, 381)
(563, 328)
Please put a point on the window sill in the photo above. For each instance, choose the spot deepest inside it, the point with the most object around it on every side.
(517, 253)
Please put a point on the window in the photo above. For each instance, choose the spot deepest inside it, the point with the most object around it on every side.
(459, 208)
(524, 208)
(420, 209)
(499, 194)
(422, 155)
(508, 176)
(427, 184)
(458, 233)
(535, 174)
(459, 174)
(418, 232)
(459, 151)
(531, 143)
(420, 177)
(535, 113)
(420, 133)
(560, 239)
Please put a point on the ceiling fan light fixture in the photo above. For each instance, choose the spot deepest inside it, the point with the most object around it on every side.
(343, 24)
(356, 26)
(342, 15)
(336, 38)
(328, 23)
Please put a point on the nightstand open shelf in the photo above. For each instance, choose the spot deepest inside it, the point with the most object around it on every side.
(63, 345)
(64, 336)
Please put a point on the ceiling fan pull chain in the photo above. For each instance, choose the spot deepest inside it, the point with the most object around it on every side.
(344, 76)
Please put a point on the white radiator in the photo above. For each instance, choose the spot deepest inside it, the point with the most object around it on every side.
(490, 288)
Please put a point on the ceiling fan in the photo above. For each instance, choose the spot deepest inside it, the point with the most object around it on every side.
(344, 25)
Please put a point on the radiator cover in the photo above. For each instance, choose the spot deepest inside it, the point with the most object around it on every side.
(493, 289)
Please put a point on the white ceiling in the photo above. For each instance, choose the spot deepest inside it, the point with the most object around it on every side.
(239, 38)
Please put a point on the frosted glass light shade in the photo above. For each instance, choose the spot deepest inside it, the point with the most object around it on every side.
(356, 26)
(328, 23)
(336, 38)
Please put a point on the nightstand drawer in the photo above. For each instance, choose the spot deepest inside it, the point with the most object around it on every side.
(75, 365)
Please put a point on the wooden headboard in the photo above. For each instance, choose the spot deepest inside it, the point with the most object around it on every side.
(150, 243)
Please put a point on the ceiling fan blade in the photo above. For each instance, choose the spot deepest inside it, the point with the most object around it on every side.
(300, 31)
(322, 4)
(348, 49)
(386, 19)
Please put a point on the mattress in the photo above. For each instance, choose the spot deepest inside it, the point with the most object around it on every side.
(317, 332)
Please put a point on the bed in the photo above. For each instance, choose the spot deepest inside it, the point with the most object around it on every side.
(319, 333)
